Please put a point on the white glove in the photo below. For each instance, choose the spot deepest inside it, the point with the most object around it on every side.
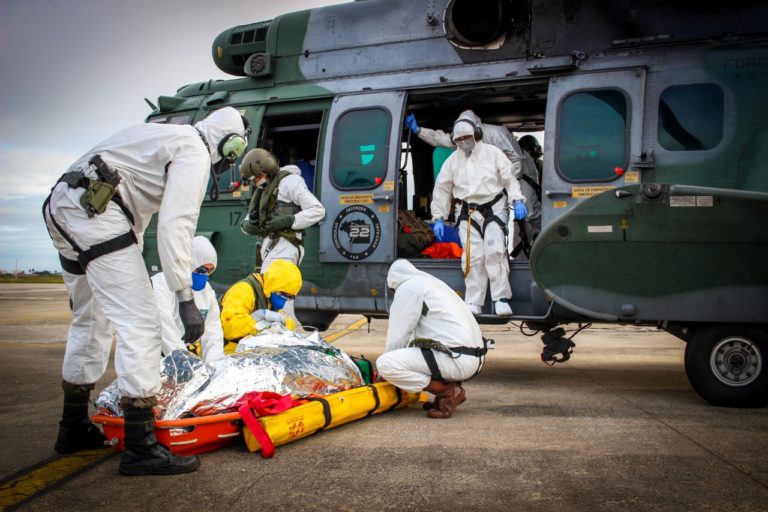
(268, 315)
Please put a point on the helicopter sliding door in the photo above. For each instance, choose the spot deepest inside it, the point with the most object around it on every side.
(361, 157)
(586, 256)
(594, 129)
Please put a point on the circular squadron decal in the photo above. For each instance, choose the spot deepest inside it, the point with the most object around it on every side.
(356, 232)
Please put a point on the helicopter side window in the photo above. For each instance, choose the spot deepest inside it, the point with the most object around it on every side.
(593, 135)
(359, 151)
(690, 117)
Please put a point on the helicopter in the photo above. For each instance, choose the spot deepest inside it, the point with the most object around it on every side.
(654, 179)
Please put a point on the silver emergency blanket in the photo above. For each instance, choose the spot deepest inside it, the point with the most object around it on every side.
(178, 368)
(276, 359)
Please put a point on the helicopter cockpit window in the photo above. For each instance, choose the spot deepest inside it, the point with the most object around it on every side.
(593, 135)
(691, 117)
(359, 151)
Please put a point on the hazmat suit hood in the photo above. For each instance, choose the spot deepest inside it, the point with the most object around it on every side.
(282, 276)
(203, 253)
(470, 116)
(400, 271)
(217, 126)
(462, 130)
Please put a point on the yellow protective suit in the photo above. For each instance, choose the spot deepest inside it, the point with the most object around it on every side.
(240, 300)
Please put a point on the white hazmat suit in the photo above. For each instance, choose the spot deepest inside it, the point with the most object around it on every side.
(479, 179)
(171, 328)
(425, 307)
(164, 169)
(500, 137)
(293, 190)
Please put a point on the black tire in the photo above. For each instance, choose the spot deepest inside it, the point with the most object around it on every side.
(727, 365)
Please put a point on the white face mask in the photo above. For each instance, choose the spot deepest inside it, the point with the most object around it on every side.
(466, 146)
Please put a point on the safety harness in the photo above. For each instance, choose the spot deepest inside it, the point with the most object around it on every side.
(265, 203)
(429, 347)
(486, 210)
(77, 179)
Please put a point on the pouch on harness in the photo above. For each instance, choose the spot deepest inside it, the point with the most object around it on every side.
(98, 193)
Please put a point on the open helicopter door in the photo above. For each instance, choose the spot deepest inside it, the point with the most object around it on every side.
(361, 158)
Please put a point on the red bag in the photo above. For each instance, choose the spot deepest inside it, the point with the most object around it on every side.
(443, 250)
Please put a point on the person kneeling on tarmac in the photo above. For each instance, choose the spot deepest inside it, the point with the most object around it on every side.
(259, 297)
(433, 341)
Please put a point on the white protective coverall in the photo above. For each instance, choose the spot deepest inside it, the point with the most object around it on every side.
(425, 307)
(171, 328)
(292, 189)
(164, 170)
(499, 136)
(479, 178)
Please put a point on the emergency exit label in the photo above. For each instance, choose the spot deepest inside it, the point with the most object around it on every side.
(356, 199)
(582, 192)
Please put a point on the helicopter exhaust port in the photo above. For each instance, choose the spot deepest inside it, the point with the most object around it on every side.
(477, 23)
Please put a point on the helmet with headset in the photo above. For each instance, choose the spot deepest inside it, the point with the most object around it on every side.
(232, 146)
(472, 120)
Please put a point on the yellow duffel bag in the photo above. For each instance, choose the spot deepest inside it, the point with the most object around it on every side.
(320, 413)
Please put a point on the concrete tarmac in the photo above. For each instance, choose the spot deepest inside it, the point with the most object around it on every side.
(616, 428)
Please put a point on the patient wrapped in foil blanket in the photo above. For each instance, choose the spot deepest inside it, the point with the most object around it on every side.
(276, 359)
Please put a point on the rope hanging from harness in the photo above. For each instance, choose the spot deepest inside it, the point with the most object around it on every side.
(486, 210)
(469, 237)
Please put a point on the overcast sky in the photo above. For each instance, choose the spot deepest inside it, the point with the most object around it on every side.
(75, 71)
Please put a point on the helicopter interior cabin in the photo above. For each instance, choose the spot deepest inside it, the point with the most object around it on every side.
(520, 108)
(293, 139)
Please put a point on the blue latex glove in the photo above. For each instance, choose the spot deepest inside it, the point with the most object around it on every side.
(410, 123)
(439, 229)
(520, 210)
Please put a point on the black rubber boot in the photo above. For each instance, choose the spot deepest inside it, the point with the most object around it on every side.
(143, 455)
(76, 432)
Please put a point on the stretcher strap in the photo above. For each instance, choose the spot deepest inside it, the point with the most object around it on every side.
(375, 398)
(257, 430)
(326, 410)
(399, 399)
(263, 403)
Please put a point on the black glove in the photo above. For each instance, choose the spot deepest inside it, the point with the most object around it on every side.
(192, 321)
(250, 227)
(279, 222)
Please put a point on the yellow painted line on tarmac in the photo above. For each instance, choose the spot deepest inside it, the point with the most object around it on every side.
(36, 479)
(350, 328)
